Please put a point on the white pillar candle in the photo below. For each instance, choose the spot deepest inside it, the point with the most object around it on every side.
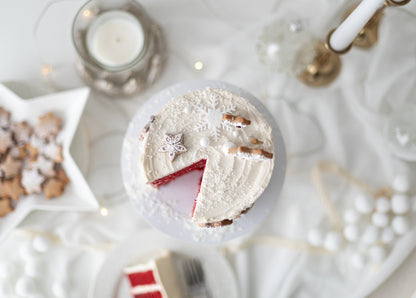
(344, 35)
(115, 38)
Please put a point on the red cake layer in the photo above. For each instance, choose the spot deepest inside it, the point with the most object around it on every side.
(149, 295)
(141, 278)
(200, 165)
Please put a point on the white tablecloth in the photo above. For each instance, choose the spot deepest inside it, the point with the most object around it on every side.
(341, 123)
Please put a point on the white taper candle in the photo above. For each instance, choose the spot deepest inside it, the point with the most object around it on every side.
(344, 35)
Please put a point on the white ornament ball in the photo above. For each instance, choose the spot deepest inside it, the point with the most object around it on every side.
(27, 252)
(351, 216)
(34, 268)
(333, 241)
(351, 233)
(377, 254)
(59, 289)
(383, 205)
(6, 289)
(315, 237)
(7, 269)
(227, 146)
(236, 133)
(380, 219)
(25, 286)
(41, 244)
(364, 204)
(387, 235)
(204, 141)
(400, 203)
(400, 225)
(358, 260)
(401, 183)
(186, 110)
(370, 235)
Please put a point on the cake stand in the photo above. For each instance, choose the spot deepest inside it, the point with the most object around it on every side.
(169, 208)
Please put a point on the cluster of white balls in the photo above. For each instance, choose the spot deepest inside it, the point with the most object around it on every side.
(371, 225)
(20, 277)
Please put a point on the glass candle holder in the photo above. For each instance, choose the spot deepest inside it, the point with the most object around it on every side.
(121, 50)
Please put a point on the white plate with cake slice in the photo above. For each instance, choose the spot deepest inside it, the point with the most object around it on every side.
(140, 248)
(170, 207)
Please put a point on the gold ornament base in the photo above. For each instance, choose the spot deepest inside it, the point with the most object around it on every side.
(324, 69)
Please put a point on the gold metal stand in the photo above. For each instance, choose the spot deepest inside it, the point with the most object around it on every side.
(326, 65)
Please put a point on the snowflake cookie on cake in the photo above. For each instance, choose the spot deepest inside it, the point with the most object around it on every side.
(216, 131)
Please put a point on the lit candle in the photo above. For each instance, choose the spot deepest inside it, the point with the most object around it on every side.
(115, 38)
(345, 34)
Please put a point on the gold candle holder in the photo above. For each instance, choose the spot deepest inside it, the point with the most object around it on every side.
(326, 65)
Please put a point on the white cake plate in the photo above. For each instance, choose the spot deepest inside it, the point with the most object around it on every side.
(169, 208)
(140, 247)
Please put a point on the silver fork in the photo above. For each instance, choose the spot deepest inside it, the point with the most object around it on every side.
(195, 279)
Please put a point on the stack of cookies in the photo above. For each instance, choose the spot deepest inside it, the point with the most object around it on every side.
(30, 160)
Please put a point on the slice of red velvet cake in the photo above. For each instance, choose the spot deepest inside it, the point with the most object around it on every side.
(155, 279)
(221, 133)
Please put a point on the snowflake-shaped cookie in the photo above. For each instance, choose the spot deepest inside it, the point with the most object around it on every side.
(45, 166)
(173, 145)
(210, 115)
(32, 180)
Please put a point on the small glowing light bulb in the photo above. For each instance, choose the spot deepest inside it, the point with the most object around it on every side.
(87, 13)
(46, 69)
(103, 211)
(198, 65)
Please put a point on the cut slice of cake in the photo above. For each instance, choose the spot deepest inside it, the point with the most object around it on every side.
(221, 133)
(155, 279)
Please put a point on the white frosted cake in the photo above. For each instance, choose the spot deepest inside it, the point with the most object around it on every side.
(220, 133)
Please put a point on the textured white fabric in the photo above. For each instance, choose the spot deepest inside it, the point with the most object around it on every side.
(341, 123)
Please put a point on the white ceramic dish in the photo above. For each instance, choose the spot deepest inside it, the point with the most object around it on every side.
(140, 247)
(168, 209)
(69, 106)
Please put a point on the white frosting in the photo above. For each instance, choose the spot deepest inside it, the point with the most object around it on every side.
(227, 146)
(230, 184)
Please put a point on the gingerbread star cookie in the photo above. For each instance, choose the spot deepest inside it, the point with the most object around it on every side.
(14, 188)
(48, 126)
(45, 166)
(22, 132)
(53, 151)
(5, 206)
(6, 140)
(19, 152)
(4, 191)
(4, 118)
(10, 167)
(53, 188)
(62, 176)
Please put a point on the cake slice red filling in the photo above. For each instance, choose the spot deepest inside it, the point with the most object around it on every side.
(141, 278)
(200, 165)
(149, 295)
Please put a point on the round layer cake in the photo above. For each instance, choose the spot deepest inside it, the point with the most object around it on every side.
(220, 133)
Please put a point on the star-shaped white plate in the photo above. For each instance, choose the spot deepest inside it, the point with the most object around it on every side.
(69, 106)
